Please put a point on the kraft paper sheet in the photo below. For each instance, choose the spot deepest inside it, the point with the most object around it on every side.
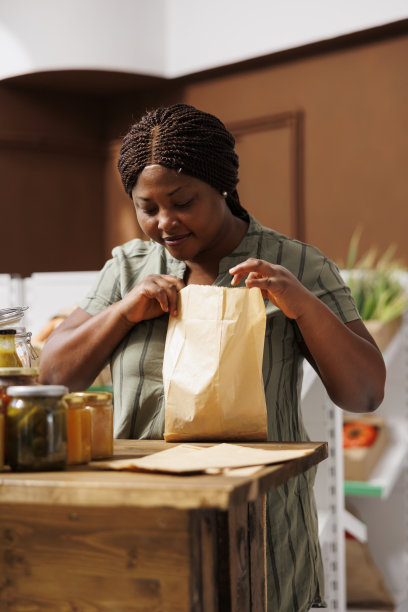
(188, 458)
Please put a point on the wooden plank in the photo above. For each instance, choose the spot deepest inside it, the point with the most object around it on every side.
(239, 557)
(203, 551)
(94, 560)
(257, 553)
(89, 486)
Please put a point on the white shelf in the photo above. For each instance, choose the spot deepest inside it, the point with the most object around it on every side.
(354, 526)
(388, 469)
(324, 525)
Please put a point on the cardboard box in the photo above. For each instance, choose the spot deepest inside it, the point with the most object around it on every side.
(359, 462)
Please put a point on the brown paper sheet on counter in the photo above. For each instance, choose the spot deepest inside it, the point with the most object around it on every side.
(212, 366)
(187, 458)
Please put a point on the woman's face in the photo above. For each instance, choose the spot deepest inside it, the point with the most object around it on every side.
(187, 216)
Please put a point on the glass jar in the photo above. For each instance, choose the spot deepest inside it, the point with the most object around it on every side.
(1, 439)
(78, 430)
(8, 351)
(37, 428)
(24, 348)
(10, 377)
(99, 403)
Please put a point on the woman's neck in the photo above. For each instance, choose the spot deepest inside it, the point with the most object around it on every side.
(204, 270)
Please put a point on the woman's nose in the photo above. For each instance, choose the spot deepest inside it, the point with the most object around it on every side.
(167, 220)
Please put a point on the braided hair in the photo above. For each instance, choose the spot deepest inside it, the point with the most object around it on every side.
(183, 138)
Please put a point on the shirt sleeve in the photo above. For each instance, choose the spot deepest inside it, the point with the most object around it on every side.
(333, 291)
(104, 292)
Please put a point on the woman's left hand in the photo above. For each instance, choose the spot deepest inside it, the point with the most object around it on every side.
(344, 355)
(276, 283)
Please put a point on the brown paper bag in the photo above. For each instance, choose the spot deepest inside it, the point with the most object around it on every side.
(212, 367)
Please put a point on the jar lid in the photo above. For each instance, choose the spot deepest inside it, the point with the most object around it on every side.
(19, 372)
(94, 397)
(74, 400)
(11, 315)
(7, 332)
(37, 391)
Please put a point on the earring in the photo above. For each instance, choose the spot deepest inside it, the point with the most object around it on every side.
(224, 194)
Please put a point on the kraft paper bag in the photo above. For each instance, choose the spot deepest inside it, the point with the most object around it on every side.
(212, 367)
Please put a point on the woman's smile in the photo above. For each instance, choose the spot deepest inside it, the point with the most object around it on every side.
(176, 240)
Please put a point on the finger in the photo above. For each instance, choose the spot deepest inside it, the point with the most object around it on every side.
(174, 280)
(250, 265)
(236, 279)
(263, 283)
(172, 295)
(160, 295)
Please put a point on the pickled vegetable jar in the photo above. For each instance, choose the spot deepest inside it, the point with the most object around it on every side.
(1, 439)
(8, 351)
(78, 430)
(37, 428)
(99, 403)
(10, 377)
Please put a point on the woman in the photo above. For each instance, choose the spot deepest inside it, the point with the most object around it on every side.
(179, 166)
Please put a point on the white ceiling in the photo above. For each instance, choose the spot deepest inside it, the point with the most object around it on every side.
(170, 38)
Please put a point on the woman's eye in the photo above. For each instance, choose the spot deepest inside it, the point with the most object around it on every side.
(185, 204)
(149, 211)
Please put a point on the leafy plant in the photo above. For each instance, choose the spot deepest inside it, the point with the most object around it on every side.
(374, 282)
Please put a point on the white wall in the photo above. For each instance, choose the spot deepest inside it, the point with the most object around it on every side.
(217, 32)
(171, 37)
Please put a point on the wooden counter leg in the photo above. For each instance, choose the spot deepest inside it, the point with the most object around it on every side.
(240, 570)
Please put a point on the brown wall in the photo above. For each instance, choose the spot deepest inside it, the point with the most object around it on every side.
(51, 164)
(322, 137)
(355, 140)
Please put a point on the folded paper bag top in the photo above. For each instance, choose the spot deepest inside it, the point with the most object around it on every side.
(212, 366)
(186, 458)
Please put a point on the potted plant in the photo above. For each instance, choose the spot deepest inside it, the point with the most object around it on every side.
(375, 284)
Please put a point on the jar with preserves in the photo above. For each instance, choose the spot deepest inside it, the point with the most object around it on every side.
(78, 430)
(8, 352)
(10, 377)
(99, 403)
(37, 428)
(1, 439)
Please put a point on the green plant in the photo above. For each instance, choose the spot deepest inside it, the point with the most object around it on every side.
(374, 282)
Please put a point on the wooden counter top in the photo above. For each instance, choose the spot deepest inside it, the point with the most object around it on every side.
(90, 486)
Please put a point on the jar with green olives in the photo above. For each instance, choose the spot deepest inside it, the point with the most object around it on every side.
(37, 428)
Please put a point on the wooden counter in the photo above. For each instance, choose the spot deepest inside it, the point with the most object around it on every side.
(88, 540)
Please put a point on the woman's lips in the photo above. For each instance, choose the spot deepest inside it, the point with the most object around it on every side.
(176, 240)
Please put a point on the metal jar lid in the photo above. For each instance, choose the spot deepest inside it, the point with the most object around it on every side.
(95, 398)
(19, 372)
(37, 391)
(11, 315)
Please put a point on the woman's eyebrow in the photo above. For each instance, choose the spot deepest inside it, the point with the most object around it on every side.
(169, 194)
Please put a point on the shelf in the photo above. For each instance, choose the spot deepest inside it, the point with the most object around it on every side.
(324, 525)
(393, 348)
(354, 526)
(388, 469)
(309, 377)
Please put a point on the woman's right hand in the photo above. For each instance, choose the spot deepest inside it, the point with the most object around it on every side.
(155, 295)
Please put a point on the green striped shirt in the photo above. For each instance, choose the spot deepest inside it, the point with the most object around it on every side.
(295, 576)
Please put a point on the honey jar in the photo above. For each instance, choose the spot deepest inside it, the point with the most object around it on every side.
(37, 427)
(78, 430)
(8, 352)
(99, 404)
